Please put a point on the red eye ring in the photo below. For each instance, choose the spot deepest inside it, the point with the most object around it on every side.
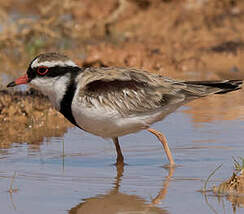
(42, 70)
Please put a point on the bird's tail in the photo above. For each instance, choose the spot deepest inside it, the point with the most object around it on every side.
(219, 87)
(204, 88)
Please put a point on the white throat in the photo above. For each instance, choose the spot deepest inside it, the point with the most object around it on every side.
(53, 87)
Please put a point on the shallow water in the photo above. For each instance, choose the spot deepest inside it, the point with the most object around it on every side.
(75, 173)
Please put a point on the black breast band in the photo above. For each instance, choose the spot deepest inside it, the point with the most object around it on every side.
(65, 105)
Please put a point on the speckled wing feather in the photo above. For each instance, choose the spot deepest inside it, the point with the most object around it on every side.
(132, 91)
(128, 91)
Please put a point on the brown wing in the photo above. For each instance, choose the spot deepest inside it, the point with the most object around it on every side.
(132, 91)
(128, 91)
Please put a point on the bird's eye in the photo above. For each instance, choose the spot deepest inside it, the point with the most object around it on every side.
(42, 70)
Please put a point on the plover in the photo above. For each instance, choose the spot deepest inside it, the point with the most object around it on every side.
(111, 101)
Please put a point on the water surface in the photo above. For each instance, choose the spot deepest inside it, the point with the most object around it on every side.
(75, 173)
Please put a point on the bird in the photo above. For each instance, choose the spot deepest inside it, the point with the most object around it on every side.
(114, 101)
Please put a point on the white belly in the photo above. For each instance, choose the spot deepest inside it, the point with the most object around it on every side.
(107, 124)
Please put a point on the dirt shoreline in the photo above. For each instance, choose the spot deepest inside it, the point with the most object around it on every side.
(200, 39)
(27, 117)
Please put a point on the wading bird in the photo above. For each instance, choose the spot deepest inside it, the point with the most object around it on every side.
(111, 101)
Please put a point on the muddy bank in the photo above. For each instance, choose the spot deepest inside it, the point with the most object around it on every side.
(28, 117)
(203, 39)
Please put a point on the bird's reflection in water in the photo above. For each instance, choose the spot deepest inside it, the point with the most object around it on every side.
(116, 202)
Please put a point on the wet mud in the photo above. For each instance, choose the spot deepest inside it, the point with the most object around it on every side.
(28, 117)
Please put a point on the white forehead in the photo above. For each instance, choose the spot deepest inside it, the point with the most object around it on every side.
(49, 64)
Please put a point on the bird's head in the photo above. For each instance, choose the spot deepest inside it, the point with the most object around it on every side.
(50, 73)
(45, 69)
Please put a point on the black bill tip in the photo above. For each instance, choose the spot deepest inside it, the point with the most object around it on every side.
(11, 84)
